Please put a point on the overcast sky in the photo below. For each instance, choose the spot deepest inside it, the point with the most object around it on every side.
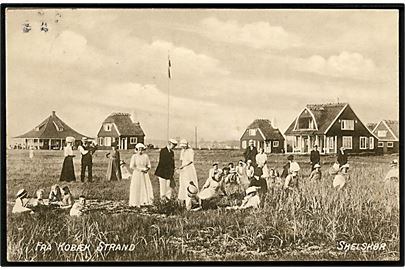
(229, 67)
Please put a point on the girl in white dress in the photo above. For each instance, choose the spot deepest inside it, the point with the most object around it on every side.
(241, 173)
(261, 161)
(187, 170)
(140, 191)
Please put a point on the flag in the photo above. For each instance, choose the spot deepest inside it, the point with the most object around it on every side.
(168, 69)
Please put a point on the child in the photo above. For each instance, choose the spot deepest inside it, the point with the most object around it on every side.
(213, 170)
(193, 202)
(250, 170)
(274, 179)
(241, 174)
(251, 200)
(124, 170)
(291, 181)
(21, 203)
(67, 199)
(79, 207)
(39, 200)
(55, 196)
(316, 174)
(258, 181)
(340, 179)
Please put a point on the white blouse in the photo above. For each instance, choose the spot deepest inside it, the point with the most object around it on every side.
(186, 156)
(68, 151)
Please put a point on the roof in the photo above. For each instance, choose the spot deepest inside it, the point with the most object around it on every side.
(371, 126)
(124, 125)
(52, 128)
(394, 126)
(324, 114)
(266, 128)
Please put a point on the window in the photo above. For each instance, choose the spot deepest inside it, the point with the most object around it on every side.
(252, 132)
(371, 142)
(107, 127)
(244, 144)
(331, 143)
(107, 141)
(276, 143)
(133, 140)
(306, 123)
(380, 144)
(390, 144)
(347, 124)
(100, 141)
(382, 133)
(363, 142)
(347, 142)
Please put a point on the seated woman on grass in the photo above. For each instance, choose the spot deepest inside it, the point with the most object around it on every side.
(55, 196)
(193, 202)
(251, 200)
(67, 199)
(22, 203)
(212, 191)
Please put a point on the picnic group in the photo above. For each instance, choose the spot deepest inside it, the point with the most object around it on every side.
(251, 176)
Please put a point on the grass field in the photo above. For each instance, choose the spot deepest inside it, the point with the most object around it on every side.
(307, 226)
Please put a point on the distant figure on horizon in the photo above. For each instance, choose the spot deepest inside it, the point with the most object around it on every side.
(315, 157)
(68, 170)
(113, 169)
(187, 170)
(250, 153)
(165, 170)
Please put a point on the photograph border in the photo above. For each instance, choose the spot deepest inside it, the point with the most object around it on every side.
(3, 225)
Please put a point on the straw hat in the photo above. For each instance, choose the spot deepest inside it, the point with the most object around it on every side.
(344, 166)
(192, 189)
(251, 190)
(140, 145)
(84, 139)
(70, 139)
(317, 166)
(173, 141)
(21, 193)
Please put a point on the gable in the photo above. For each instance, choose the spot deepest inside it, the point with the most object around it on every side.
(383, 133)
(104, 133)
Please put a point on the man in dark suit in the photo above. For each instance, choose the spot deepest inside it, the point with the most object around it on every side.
(250, 153)
(87, 150)
(165, 170)
(315, 157)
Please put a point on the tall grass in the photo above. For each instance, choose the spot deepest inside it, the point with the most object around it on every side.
(306, 225)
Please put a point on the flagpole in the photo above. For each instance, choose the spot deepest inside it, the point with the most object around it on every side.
(168, 96)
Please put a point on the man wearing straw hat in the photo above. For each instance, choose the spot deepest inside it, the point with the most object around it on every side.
(165, 170)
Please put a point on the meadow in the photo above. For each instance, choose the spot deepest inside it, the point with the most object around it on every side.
(307, 226)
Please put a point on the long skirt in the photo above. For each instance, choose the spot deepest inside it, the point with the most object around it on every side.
(187, 174)
(68, 171)
(113, 170)
(140, 190)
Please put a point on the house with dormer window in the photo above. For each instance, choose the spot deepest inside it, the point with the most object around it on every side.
(121, 130)
(263, 135)
(329, 126)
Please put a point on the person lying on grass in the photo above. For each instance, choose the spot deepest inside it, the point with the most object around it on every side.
(67, 199)
(251, 200)
(22, 204)
(193, 202)
(79, 207)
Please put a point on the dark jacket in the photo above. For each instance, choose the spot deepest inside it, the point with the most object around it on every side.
(315, 157)
(250, 154)
(342, 158)
(165, 168)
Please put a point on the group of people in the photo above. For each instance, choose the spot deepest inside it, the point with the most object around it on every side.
(58, 198)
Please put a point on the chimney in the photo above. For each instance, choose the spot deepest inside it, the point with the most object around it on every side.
(53, 113)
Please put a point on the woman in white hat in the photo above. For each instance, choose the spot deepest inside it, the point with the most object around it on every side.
(68, 170)
(316, 174)
(187, 170)
(21, 202)
(140, 191)
(340, 179)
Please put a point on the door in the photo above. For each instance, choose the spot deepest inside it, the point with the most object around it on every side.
(306, 144)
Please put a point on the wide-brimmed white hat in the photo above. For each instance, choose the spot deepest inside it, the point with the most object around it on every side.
(317, 166)
(173, 141)
(251, 190)
(21, 193)
(140, 145)
(84, 139)
(294, 167)
(345, 166)
(192, 189)
(183, 142)
(70, 139)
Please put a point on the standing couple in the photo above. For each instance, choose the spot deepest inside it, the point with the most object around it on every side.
(166, 167)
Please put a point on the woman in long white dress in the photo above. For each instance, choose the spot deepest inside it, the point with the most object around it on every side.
(187, 170)
(140, 191)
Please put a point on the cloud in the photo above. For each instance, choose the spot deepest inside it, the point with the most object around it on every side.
(346, 64)
(257, 35)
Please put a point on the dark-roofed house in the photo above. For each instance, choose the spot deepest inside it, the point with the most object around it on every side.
(50, 134)
(120, 129)
(387, 132)
(330, 126)
(263, 135)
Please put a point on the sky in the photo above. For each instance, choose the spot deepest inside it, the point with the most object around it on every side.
(228, 67)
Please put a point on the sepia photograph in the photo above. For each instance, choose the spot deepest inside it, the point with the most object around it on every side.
(195, 134)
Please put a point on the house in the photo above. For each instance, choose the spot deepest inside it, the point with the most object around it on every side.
(50, 134)
(264, 135)
(387, 132)
(120, 129)
(330, 126)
